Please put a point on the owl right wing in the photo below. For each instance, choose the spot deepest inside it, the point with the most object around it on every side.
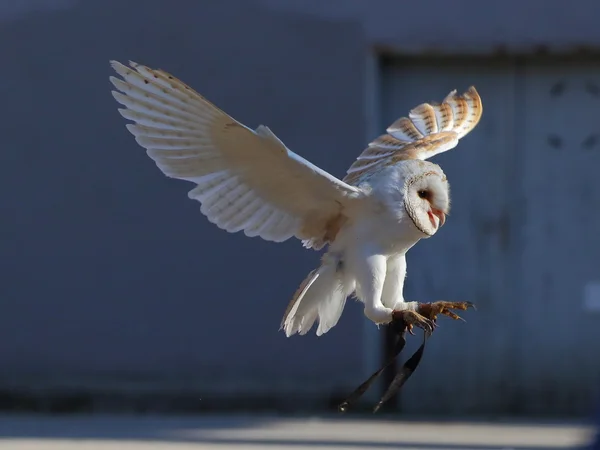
(428, 130)
(247, 180)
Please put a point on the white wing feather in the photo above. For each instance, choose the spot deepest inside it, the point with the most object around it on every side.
(246, 180)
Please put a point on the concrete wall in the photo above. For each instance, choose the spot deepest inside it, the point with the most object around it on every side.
(111, 277)
(463, 26)
(112, 280)
(521, 240)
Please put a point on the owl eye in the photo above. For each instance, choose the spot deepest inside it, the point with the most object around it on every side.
(422, 194)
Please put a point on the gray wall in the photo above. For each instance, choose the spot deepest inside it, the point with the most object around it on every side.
(463, 26)
(113, 281)
(521, 240)
(111, 277)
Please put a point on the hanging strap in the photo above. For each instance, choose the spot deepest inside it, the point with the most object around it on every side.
(401, 377)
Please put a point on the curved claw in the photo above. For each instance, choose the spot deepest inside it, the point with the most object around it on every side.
(426, 325)
(463, 306)
(431, 310)
(452, 315)
(411, 319)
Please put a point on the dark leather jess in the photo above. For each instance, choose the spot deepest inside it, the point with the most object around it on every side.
(401, 377)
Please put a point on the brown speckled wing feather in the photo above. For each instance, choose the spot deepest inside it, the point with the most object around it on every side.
(428, 130)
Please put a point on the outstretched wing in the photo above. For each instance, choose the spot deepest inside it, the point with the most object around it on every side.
(428, 130)
(246, 179)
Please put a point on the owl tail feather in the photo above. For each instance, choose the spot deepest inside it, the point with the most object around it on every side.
(321, 295)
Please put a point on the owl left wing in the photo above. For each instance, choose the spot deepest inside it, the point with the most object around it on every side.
(246, 180)
(428, 130)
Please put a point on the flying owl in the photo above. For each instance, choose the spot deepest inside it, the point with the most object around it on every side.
(248, 180)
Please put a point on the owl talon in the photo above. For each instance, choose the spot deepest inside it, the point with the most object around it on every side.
(452, 315)
(431, 310)
(411, 319)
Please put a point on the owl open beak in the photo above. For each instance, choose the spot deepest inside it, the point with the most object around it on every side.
(440, 215)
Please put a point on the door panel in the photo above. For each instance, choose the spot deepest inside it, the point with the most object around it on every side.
(521, 241)
(466, 366)
(560, 229)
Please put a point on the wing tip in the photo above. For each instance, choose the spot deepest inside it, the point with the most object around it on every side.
(423, 140)
(116, 65)
(472, 90)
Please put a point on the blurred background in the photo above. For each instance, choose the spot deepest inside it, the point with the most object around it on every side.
(118, 296)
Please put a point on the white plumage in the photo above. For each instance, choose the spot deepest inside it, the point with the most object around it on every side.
(248, 180)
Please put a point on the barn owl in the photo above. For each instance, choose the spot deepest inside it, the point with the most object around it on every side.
(248, 180)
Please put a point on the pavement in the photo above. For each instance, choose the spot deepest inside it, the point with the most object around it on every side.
(253, 432)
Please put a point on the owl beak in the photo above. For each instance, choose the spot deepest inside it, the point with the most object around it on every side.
(440, 215)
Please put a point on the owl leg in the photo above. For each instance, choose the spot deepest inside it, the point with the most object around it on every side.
(404, 314)
(432, 310)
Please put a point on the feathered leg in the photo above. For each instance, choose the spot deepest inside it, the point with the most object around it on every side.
(405, 313)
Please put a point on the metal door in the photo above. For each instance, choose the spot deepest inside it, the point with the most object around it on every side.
(521, 240)
(560, 226)
(466, 367)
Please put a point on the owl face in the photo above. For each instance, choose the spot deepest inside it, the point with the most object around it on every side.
(427, 201)
(416, 190)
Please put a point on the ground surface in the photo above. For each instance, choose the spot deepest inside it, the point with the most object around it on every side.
(262, 432)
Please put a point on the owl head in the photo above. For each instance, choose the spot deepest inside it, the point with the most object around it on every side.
(395, 165)
(416, 193)
(426, 197)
